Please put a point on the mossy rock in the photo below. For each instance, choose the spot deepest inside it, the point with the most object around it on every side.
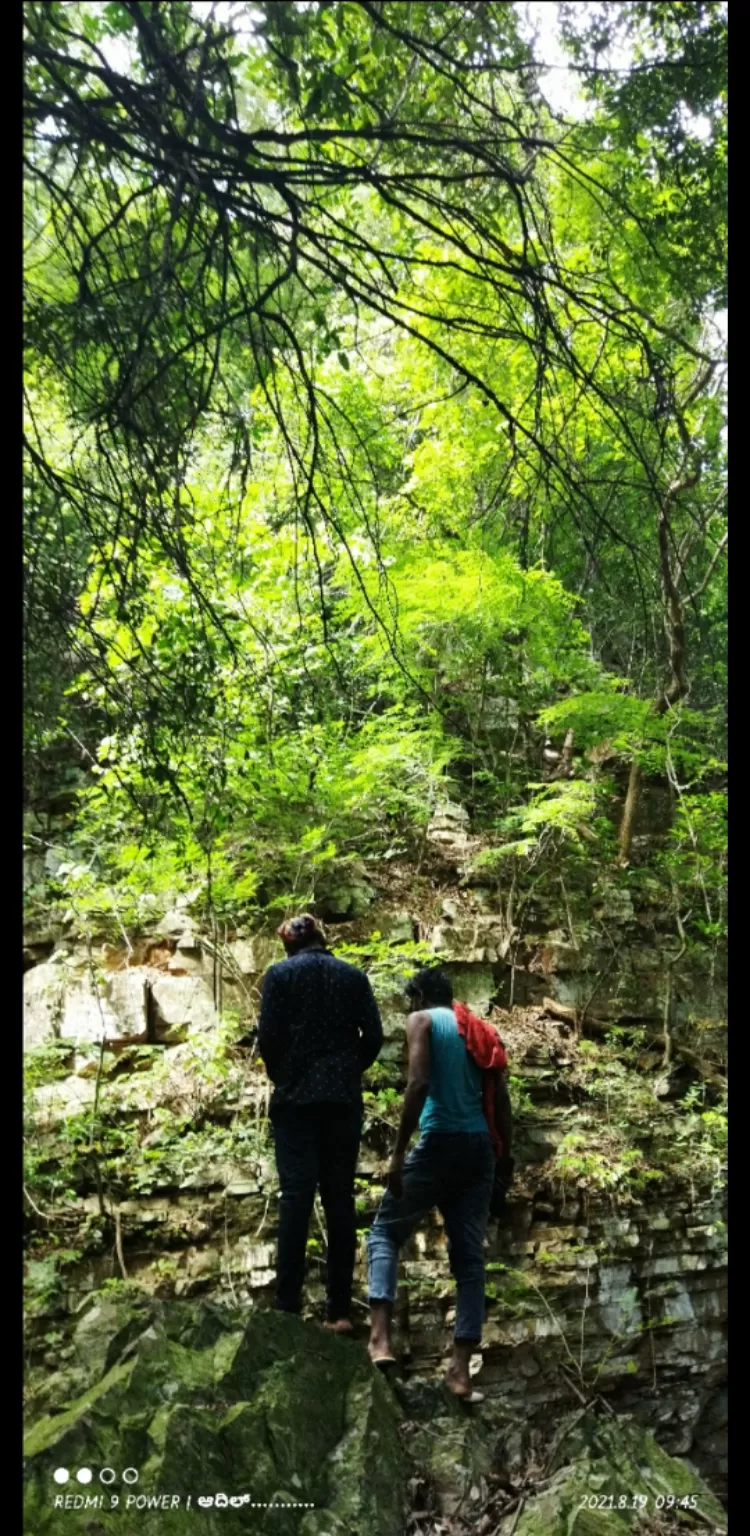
(456, 1456)
(454, 1446)
(345, 892)
(108, 1324)
(424, 1400)
(599, 1459)
(205, 1401)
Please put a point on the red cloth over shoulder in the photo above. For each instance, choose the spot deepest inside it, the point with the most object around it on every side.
(485, 1048)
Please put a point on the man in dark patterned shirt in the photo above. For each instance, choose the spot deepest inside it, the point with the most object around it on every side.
(319, 1030)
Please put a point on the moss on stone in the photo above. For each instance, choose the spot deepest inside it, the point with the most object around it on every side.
(276, 1409)
(611, 1457)
(456, 1455)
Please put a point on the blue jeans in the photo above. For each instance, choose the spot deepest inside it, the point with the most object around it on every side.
(453, 1171)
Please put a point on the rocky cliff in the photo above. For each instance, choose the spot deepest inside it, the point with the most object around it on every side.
(147, 1127)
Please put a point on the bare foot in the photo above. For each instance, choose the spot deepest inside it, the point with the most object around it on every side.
(380, 1351)
(379, 1347)
(458, 1381)
(341, 1325)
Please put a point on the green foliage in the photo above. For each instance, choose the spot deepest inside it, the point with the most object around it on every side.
(695, 859)
(520, 1099)
(339, 503)
(44, 1279)
(584, 1161)
(383, 1106)
(116, 1287)
(166, 1268)
(595, 717)
(634, 1140)
(702, 1132)
(665, 126)
(42, 1064)
(185, 1156)
(110, 1149)
(555, 812)
(388, 965)
(46, 1064)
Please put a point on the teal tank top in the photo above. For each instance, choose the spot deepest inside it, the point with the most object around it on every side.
(454, 1099)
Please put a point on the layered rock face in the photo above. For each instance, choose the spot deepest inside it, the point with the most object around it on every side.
(191, 1416)
(595, 1284)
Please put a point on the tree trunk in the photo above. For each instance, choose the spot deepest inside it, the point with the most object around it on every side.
(628, 812)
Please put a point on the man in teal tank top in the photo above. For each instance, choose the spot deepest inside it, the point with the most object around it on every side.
(451, 1167)
(454, 1098)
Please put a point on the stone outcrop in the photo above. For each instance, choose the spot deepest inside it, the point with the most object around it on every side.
(604, 1477)
(191, 1416)
(234, 1412)
(67, 999)
(345, 892)
(44, 1002)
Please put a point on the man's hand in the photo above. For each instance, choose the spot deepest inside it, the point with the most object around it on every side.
(394, 1178)
(504, 1169)
(503, 1179)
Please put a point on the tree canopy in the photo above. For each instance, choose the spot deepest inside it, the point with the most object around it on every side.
(374, 435)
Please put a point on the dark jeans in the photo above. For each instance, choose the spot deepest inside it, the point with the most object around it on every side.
(453, 1171)
(316, 1145)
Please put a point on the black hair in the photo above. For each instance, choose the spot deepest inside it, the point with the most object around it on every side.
(433, 985)
(303, 932)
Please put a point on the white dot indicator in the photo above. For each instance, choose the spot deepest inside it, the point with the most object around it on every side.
(84, 1474)
(130, 1475)
(61, 1474)
(107, 1475)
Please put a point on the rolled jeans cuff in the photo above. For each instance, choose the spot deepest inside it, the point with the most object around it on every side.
(382, 1268)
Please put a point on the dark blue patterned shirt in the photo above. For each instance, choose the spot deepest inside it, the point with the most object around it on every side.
(319, 1029)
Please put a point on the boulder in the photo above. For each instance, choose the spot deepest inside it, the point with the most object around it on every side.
(448, 821)
(452, 1450)
(87, 1015)
(114, 1010)
(214, 1405)
(398, 928)
(173, 924)
(37, 949)
(183, 1005)
(189, 962)
(601, 1459)
(346, 894)
(243, 954)
(466, 943)
(189, 940)
(127, 997)
(613, 902)
(251, 956)
(473, 984)
(54, 1103)
(33, 869)
(189, 956)
(53, 859)
(107, 1325)
(43, 1002)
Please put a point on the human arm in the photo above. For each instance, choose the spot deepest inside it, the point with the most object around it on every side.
(371, 1028)
(418, 1026)
(504, 1165)
(273, 1025)
(503, 1118)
